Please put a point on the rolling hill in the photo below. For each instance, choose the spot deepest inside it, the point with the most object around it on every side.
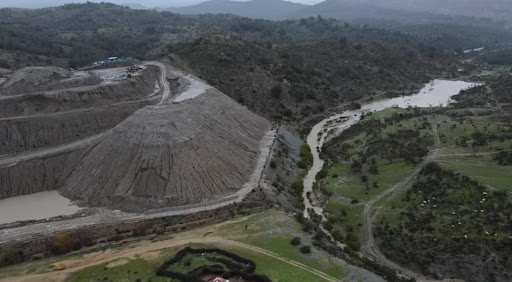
(264, 9)
(410, 11)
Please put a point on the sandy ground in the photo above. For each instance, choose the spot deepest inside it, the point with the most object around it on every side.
(117, 263)
(195, 89)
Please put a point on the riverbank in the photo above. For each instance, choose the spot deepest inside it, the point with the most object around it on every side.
(435, 93)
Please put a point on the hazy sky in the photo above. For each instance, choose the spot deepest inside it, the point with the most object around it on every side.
(147, 3)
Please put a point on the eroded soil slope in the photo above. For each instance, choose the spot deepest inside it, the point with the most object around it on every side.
(160, 138)
(45, 119)
(173, 154)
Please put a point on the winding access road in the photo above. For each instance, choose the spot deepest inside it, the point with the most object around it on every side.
(164, 84)
(370, 248)
(8, 160)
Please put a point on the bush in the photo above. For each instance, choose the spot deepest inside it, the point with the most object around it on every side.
(273, 164)
(306, 155)
(295, 241)
(337, 236)
(277, 91)
(62, 244)
(356, 166)
(305, 249)
(322, 174)
(298, 187)
(328, 226)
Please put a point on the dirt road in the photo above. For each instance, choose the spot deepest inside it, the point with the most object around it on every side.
(9, 160)
(369, 246)
(145, 247)
(164, 84)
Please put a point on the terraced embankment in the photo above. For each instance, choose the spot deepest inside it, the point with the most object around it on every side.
(173, 154)
(44, 134)
(51, 118)
(34, 79)
(107, 147)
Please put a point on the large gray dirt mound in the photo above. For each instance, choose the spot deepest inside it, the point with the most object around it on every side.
(176, 154)
(37, 79)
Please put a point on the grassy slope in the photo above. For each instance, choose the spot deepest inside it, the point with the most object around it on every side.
(450, 125)
(482, 169)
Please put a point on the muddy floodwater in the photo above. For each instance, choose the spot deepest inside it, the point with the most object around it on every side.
(434, 94)
(35, 207)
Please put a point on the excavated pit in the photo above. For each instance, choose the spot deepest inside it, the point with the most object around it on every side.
(62, 100)
(127, 145)
(34, 79)
(34, 121)
(176, 154)
(36, 175)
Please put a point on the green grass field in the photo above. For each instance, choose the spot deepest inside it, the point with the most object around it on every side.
(145, 271)
(273, 231)
(270, 230)
(136, 269)
(482, 169)
(348, 185)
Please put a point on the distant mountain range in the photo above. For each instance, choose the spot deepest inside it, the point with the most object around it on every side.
(264, 9)
(409, 10)
(36, 4)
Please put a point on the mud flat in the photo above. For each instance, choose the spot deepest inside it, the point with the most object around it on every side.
(35, 207)
(435, 93)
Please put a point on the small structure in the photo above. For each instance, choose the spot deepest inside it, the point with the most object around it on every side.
(133, 68)
(112, 60)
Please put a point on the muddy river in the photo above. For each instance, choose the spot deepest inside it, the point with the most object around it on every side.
(435, 93)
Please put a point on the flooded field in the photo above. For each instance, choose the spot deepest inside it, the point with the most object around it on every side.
(435, 93)
(35, 207)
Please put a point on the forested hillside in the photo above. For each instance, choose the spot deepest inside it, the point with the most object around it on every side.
(77, 34)
(285, 70)
(296, 80)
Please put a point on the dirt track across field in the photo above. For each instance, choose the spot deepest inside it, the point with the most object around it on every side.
(145, 248)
